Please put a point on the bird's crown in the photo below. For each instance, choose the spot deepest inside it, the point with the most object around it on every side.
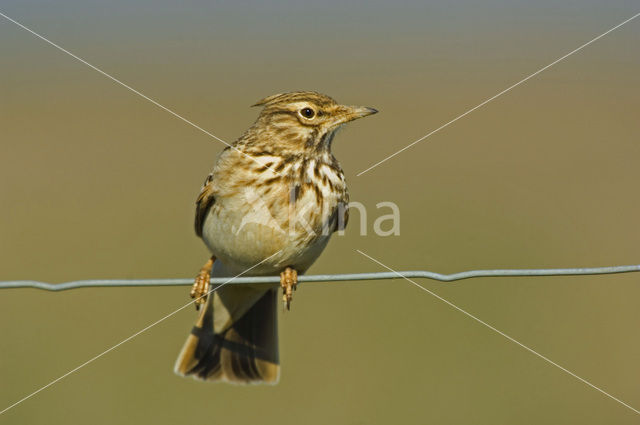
(294, 97)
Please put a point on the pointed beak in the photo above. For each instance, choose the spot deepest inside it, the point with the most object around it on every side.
(350, 113)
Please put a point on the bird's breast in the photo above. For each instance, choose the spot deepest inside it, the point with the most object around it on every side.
(291, 214)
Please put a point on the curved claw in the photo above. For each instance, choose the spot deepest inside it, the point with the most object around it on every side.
(200, 288)
(289, 283)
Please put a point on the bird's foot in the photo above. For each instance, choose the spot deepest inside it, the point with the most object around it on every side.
(200, 288)
(289, 283)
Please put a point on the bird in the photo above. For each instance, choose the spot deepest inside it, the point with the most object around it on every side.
(269, 207)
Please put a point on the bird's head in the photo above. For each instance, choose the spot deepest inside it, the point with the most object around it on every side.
(305, 120)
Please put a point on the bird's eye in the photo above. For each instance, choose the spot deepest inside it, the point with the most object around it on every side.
(307, 113)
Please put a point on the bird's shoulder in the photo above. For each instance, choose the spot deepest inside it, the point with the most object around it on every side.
(231, 172)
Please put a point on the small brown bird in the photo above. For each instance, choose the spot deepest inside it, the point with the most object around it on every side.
(270, 205)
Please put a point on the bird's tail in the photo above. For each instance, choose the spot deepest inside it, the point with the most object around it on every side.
(235, 338)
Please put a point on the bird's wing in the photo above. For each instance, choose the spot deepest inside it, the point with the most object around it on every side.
(342, 213)
(345, 217)
(205, 200)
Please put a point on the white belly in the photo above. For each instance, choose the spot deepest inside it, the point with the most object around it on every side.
(243, 236)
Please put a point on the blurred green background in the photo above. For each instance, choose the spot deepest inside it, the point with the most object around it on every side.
(99, 183)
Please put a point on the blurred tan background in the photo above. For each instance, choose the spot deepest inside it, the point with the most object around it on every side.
(99, 183)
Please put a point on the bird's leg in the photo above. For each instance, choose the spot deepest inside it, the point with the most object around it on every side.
(200, 287)
(288, 282)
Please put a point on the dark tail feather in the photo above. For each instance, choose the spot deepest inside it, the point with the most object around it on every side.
(246, 352)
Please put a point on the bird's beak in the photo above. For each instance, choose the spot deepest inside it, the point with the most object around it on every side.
(350, 113)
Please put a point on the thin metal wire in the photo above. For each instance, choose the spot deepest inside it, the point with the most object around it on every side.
(95, 283)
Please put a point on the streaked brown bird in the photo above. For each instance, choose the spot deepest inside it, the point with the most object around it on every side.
(269, 206)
